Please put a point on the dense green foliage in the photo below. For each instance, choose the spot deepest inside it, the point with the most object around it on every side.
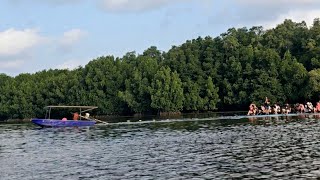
(204, 74)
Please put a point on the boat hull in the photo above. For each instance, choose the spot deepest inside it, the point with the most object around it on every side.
(60, 123)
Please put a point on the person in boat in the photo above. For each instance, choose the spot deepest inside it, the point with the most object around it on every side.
(317, 108)
(276, 109)
(296, 108)
(309, 107)
(256, 109)
(300, 108)
(286, 109)
(273, 110)
(76, 116)
(252, 109)
(267, 108)
(87, 115)
(64, 119)
(264, 110)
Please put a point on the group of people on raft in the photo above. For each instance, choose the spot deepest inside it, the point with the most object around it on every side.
(267, 108)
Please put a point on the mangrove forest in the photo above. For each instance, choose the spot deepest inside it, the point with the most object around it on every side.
(227, 72)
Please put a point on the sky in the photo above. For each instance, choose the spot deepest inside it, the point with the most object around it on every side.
(59, 34)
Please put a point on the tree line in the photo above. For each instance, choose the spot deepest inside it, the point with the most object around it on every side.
(227, 72)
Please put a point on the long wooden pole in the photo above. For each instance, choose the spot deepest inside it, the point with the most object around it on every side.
(94, 119)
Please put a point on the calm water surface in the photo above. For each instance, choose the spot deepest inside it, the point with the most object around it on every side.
(279, 148)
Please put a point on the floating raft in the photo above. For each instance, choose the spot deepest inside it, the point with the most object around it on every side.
(268, 115)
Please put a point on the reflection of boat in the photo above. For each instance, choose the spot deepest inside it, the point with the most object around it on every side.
(48, 122)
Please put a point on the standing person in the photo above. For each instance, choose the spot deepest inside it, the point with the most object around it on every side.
(267, 106)
(75, 116)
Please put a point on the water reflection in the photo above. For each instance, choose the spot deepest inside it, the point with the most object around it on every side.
(280, 148)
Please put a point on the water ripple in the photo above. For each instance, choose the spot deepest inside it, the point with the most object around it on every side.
(228, 149)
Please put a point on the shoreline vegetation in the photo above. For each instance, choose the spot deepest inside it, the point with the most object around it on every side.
(227, 72)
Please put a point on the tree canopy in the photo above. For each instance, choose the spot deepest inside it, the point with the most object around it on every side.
(226, 72)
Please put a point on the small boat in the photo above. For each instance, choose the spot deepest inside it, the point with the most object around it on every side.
(60, 123)
(48, 122)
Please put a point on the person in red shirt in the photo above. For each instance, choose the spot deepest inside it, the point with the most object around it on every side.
(317, 108)
(75, 116)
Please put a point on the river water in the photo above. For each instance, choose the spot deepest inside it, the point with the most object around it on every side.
(280, 148)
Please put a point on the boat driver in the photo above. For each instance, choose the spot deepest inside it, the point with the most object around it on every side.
(75, 116)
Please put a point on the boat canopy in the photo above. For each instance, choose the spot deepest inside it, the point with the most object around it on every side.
(81, 108)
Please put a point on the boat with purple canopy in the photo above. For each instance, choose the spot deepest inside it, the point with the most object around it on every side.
(82, 122)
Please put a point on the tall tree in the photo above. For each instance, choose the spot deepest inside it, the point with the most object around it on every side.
(167, 92)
